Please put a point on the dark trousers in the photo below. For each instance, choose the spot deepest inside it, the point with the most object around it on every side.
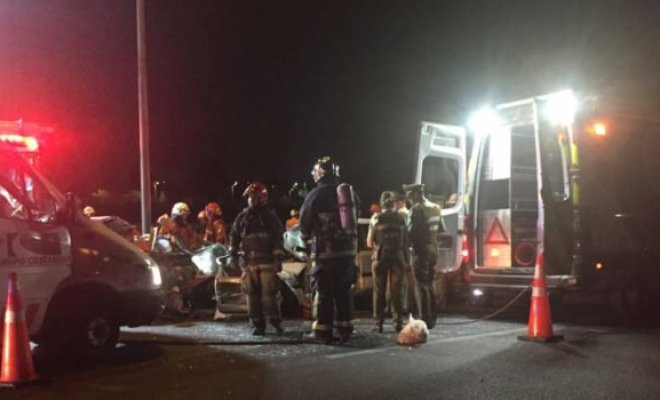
(262, 286)
(424, 268)
(331, 279)
(392, 267)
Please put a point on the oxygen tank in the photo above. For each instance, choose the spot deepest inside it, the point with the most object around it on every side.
(346, 203)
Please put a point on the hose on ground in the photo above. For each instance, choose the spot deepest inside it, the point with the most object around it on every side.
(492, 315)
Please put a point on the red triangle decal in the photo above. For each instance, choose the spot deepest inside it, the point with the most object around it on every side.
(496, 234)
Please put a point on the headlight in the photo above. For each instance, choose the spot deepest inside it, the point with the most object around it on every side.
(155, 271)
(155, 275)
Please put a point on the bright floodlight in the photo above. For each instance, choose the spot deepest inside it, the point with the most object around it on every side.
(561, 107)
(483, 121)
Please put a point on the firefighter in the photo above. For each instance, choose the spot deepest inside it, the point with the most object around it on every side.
(388, 238)
(214, 231)
(331, 223)
(214, 226)
(258, 233)
(425, 223)
(178, 227)
(292, 222)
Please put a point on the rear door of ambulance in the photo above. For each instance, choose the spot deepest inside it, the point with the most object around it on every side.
(441, 167)
(32, 244)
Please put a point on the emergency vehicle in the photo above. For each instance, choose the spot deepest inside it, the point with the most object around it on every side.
(563, 179)
(78, 280)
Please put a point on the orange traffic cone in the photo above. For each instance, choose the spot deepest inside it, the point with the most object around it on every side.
(540, 321)
(17, 367)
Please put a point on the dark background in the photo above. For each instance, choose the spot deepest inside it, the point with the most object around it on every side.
(241, 90)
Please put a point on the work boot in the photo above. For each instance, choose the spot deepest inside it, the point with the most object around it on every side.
(319, 338)
(258, 331)
(377, 327)
(278, 328)
(220, 316)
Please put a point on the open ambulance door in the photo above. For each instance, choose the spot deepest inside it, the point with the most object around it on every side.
(441, 167)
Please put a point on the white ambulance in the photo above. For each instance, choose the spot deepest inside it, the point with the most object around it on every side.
(564, 179)
(78, 281)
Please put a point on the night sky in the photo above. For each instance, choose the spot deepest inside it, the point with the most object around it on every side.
(241, 91)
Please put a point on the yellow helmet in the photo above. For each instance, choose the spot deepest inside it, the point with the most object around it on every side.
(89, 211)
(180, 208)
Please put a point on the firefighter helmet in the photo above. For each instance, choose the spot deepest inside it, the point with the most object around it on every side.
(89, 211)
(179, 209)
(324, 166)
(259, 190)
(213, 209)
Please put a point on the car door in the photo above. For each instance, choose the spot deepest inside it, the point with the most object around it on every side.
(32, 244)
(441, 167)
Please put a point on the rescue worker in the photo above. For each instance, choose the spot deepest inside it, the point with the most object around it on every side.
(258, 233)
(425, 223)
(214, 231)
(388, 238)
(409, 284)
(214, 227)
(293, 220)
(182, 237)
(335, 244)
(178, 227)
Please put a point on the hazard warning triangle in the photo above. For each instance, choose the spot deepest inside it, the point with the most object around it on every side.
(496, 233)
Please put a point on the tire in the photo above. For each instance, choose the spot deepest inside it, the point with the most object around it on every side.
(95, 334)
(80, 329)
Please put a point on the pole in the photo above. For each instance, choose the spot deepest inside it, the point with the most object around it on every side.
(143, 105)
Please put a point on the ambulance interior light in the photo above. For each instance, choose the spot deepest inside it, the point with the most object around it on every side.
(561, 107)
(483, 121)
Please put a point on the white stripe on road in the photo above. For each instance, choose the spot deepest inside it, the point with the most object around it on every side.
(430, 342)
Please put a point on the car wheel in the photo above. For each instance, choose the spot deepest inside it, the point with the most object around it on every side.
(95, 334)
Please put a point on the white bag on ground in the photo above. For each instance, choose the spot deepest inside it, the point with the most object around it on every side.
(415, 332)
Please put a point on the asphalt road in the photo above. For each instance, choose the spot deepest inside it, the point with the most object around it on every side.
(465, 358)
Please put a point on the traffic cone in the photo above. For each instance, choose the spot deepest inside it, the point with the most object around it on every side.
(540, 321)
(17, 367)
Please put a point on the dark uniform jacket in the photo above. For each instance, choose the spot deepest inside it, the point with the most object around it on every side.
(257, 232)
(319, 219)
(390, 235)
(424, 224)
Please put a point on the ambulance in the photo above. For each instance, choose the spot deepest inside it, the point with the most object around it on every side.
(563, 179)
(79, 282)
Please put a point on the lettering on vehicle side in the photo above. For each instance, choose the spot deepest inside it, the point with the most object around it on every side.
(47, 243)
(34, 260)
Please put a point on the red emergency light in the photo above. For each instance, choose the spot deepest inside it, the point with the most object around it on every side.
(27, 143)
(22, 136)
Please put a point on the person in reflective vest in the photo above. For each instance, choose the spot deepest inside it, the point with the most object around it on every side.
(331, 225)
(425, 223)
(388, 239)
(213, 225)
(257, 233)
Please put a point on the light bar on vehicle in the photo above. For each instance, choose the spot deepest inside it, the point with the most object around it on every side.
(22, 136)
(27, 143)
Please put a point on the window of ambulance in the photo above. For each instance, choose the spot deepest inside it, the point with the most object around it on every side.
(23, 190)
(440, 179)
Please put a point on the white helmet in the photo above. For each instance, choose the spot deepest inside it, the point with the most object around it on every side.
(180, 208)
